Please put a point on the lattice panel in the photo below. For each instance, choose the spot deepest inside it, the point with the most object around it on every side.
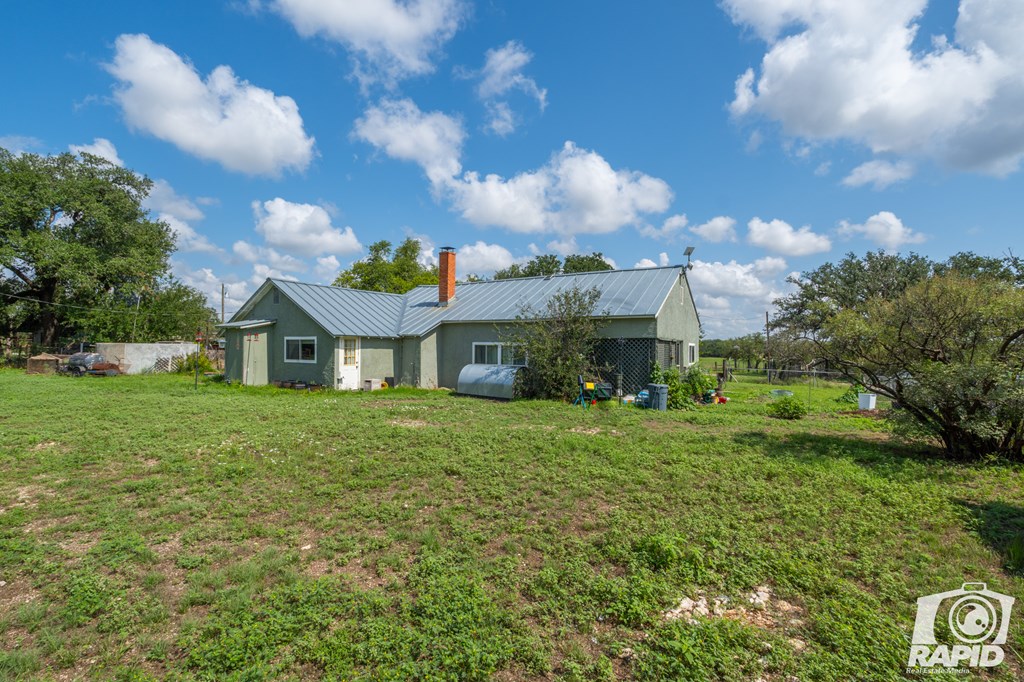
(632, 357)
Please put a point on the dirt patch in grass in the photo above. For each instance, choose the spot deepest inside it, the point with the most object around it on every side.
(760, 608)
(410, 423)
(80, 543)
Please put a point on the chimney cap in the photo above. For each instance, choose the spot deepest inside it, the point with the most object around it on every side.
(447, 249)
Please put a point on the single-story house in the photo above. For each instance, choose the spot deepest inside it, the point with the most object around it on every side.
(335, 336)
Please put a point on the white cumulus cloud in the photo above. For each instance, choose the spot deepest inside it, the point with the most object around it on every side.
(220, 118)
(732, 297)
(718, 229)
(481, 258)
(303, 229)
(236, 290)
(402, 131)
(663, 261)
(263, 254)
(669, 229)
(327, 268)
(852, 70)
(179, 213)
(576, 192)
(884, 229)
(878, 173)
(502, 73)
(779, 236)
(388, 39)
(101, 147)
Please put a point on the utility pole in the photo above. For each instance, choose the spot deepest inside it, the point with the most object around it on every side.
(767, 347)
(222, 320)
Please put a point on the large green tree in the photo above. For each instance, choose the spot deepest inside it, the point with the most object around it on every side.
(395, 271)
(944, 340)
(73, 234)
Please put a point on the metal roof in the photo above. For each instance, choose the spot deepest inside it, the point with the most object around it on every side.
(354, 312)
(346, 312)
(245, 324)
(624, 293)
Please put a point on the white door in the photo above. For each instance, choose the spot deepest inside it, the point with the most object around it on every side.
(348, 363)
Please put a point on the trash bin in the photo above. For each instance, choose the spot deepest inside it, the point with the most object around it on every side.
(866, 401)
(657, 396)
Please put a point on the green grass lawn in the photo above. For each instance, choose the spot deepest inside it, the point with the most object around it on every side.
(148, 531)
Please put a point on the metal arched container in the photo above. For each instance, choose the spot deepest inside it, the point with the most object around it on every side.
(490, 381)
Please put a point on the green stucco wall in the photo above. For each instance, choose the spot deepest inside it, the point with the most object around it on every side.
(233, 355)
(379, 358)
(678, 319)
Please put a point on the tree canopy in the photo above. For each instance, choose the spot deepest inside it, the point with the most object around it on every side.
(390, 271)
(550, 264)
(74, 236)
(944, 340)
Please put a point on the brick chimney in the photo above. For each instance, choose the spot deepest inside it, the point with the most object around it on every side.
(446, 270)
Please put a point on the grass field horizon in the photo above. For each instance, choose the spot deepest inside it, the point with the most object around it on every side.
(150, 531)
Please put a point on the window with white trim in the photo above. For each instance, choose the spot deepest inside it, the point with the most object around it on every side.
(693, 353)
(300, 349)
(489, 353)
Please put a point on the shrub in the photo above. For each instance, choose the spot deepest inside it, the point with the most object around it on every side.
(788, 407)
(558, 342)
(682, 389)
(850, 396)
(187, 364)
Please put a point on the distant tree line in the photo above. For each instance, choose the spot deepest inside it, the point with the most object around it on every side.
(550, 264)
(397, 270)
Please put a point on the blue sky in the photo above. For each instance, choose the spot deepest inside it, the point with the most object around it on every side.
(285, 136)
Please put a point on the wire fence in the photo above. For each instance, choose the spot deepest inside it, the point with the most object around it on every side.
(773, 375)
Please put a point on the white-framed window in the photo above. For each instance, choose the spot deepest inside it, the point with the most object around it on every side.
(490, 353)
(300, 349)
(693, 353)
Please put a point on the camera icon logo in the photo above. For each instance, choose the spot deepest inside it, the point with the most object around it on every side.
(977, 621)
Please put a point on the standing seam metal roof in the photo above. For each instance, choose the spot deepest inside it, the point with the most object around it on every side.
(346, 312)
(354, 312)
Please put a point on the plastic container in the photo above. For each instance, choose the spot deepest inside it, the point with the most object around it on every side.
(658, 396)
(866, 401)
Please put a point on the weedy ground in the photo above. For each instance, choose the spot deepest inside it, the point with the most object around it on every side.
(149, 531)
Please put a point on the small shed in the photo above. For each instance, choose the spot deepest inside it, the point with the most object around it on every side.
(44, 363)
(490, 381)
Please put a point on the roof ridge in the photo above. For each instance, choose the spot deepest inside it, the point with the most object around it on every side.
(331, 286)
(559, 274)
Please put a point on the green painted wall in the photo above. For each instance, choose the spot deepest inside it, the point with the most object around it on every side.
(429, 361)
(678, 318)
(379, 358)
(409, 367)
(292, 321)
(233, 355)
